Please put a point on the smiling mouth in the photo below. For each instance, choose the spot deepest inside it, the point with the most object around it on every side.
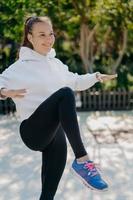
(46, 45)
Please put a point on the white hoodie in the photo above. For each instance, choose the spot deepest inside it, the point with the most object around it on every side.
(41, 76)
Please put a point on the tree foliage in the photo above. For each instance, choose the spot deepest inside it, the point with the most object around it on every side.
(91, 34)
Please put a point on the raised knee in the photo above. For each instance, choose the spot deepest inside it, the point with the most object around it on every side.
(67, 91)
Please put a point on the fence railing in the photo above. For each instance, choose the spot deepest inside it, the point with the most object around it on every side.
(89, 100)
(7, 106)
(93, 99)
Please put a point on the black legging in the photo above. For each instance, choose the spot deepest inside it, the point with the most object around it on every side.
(44, 131)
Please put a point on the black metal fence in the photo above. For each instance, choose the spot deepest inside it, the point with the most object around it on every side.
(119, 99)
(7, 106)
(89, 100)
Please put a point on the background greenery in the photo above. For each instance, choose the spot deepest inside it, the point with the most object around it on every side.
(91, 35)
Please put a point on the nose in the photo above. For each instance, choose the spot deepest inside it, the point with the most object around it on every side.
(49, 38)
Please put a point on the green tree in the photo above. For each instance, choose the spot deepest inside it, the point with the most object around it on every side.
(91, 34)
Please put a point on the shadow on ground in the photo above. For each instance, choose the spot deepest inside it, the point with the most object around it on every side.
(20, 167)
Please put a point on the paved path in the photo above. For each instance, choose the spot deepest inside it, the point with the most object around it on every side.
(20, 167)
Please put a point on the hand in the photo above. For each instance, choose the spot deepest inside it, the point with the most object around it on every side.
(105, 77)
(19, 93)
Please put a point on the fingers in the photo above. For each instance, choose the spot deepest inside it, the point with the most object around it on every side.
(17, 93)
(106, 77)
(112, 76)
(19, 96)
(20, 91)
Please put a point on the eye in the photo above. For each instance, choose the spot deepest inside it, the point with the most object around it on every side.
(52, 34)
(43, 35)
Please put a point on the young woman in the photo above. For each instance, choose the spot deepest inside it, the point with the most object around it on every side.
(42, 88)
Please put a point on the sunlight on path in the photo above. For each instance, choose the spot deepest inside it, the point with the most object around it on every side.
(20, 167)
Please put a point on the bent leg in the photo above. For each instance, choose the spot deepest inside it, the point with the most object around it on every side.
(40, 128)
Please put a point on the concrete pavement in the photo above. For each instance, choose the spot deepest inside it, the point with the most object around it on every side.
(108, 138)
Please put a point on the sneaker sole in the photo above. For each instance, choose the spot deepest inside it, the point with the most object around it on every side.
(85, 183)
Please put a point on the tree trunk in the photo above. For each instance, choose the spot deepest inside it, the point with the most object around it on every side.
(121, 52)
(86, 46)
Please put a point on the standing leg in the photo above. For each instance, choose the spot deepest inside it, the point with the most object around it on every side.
(53, 163)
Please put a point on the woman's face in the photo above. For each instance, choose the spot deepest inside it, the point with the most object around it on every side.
(42, 37)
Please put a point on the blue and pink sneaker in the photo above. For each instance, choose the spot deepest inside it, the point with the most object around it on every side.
(89, 175)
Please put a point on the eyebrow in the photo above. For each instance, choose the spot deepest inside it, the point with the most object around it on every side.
(44, 32)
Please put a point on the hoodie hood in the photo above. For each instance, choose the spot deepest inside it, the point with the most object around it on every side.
(29, 54)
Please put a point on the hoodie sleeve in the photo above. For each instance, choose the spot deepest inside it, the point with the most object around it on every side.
(79, 82)
(5, 79)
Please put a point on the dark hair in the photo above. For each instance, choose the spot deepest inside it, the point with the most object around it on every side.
(30, 21)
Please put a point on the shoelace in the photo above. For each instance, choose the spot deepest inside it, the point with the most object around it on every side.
(91, 168)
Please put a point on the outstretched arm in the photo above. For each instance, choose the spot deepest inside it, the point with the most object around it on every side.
(82, 82)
